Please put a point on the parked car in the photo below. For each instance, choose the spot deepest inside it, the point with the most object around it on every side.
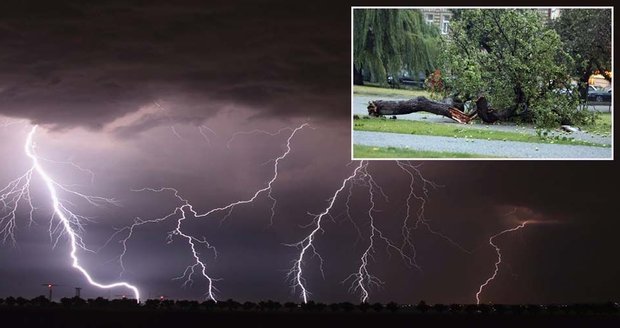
(405, 80)
(391, 82)
(563, 91)
(409, 81)
(599, 95)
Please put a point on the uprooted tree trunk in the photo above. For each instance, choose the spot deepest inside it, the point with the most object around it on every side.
(422, 104)
(490, 115)
(418, 104)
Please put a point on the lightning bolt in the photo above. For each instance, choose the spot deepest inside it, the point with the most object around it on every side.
(499, 257)
(306, 244)
(11, 196)
(186, 208)
(7, 122)
(255, 131)
(181, 215)
(69, 222)
(202, 129)
(362, 279)
(90, 173)
(407, 231)
(165, 112)
(268, 188)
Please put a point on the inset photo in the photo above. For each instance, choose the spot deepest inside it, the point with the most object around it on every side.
(482, 83)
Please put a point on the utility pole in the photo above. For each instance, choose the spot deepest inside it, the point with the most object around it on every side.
(77, 292)
(49, 288)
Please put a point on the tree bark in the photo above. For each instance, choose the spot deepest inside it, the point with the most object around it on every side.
(422, 104)
(418, 104)
(491, 115)
(358, 79)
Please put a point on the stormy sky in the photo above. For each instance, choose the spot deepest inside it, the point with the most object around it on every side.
(150, 93)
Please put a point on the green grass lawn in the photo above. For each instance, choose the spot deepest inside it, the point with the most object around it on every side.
(387, 92)
(360, 151)
(602, 125)
(458, 131)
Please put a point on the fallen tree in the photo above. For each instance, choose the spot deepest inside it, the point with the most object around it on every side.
(453, 110)
(419, 104)
(490, 115)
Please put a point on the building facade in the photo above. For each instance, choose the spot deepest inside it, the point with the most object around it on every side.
(439, 17)
(549, 13)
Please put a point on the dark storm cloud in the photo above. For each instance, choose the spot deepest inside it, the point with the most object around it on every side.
(68, 63)
(555, 188)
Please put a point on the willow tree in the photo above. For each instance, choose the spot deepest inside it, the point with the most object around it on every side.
(515, 61)
(386, 41)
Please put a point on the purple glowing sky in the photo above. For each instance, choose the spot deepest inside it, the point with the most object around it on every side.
(90, 76)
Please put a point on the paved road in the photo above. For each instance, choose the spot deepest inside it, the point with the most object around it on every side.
(483, 147)
(603, 107)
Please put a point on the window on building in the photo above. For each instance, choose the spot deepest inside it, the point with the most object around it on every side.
(429, 19)
(445, 24)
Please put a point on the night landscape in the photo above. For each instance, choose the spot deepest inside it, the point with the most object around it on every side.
(177, 163)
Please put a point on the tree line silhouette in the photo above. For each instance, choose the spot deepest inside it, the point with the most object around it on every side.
(607, 308)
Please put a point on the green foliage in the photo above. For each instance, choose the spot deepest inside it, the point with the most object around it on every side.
(513, 58)
(388, 40)
(587, 37)
(602, 125)
(561, 109)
